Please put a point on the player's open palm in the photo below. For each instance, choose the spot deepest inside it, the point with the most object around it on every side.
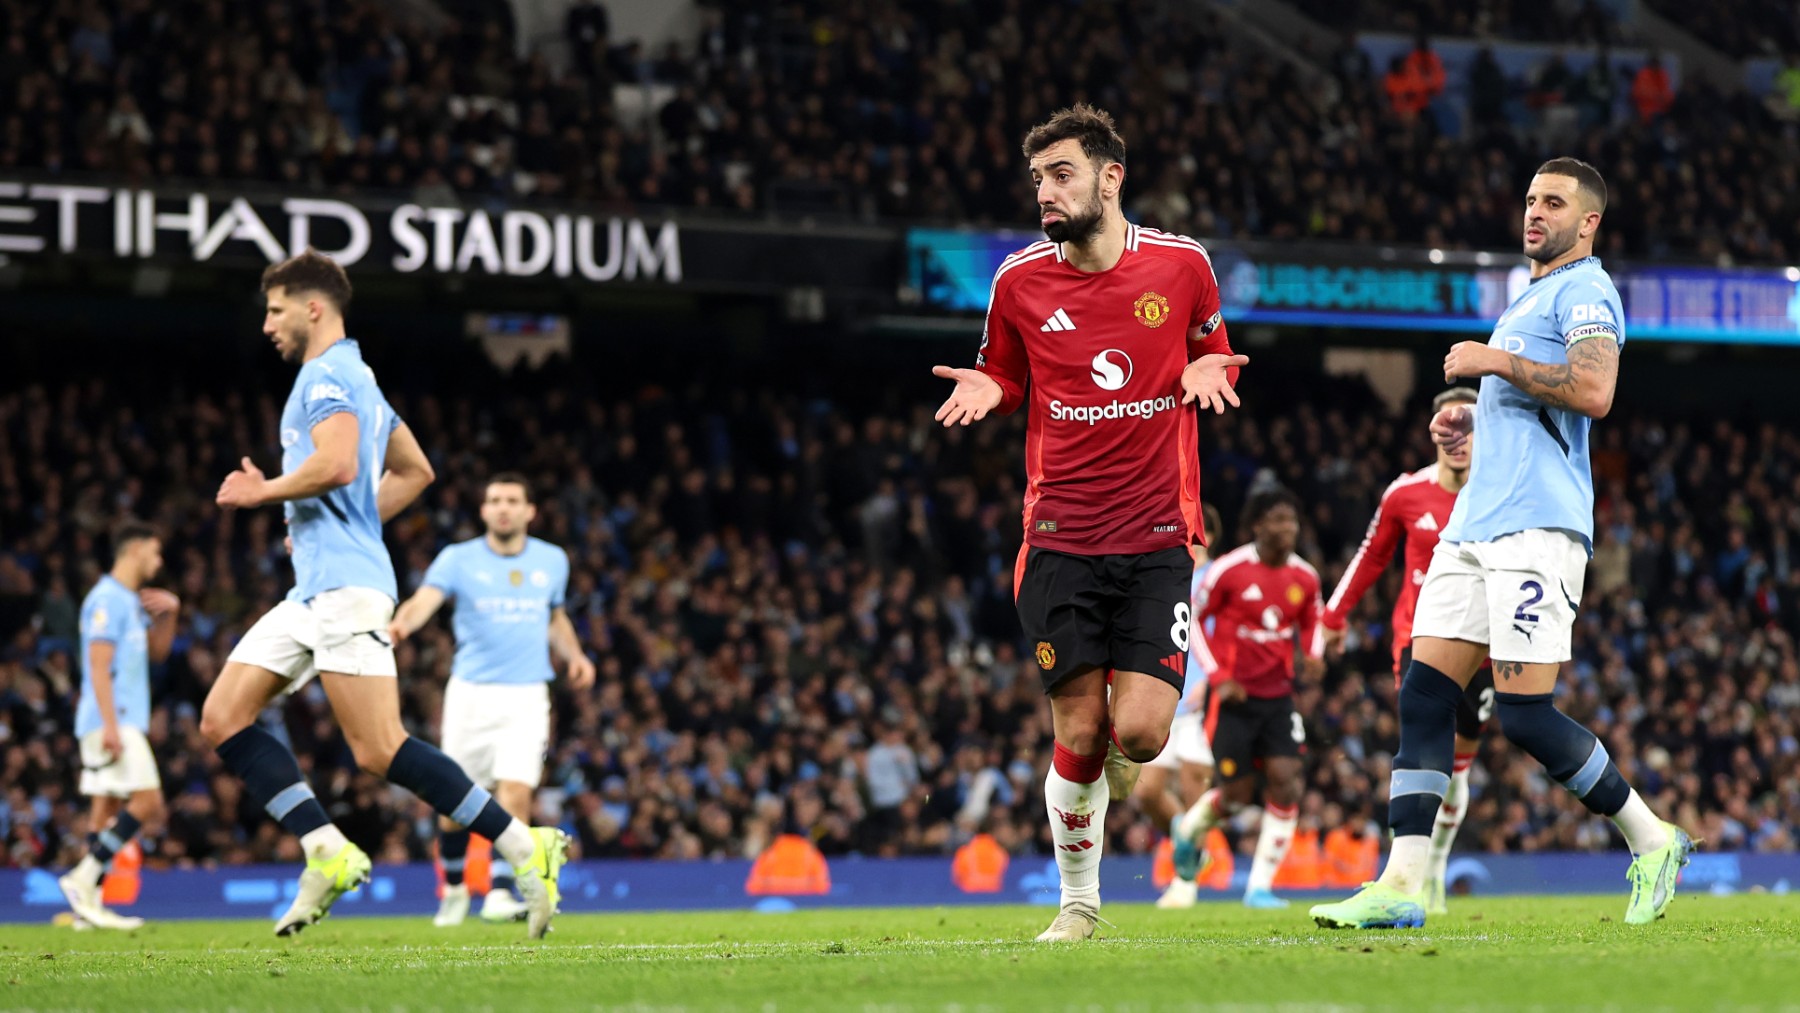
(243, 487)
(1450, 427)
(975, 395)
(1207, 381)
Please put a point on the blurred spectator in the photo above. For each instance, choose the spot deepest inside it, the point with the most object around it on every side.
(1650, 91)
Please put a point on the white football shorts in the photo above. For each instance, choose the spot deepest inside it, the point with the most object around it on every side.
(133, 770)
(497, 731)
(343, 630)
(1518, 594)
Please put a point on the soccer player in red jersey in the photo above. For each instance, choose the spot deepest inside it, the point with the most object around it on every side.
(1413, 509)
(1113, 333)
(1259, 596)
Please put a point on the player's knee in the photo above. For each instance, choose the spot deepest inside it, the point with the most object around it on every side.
(218, 723)
(150, 813)
(1140, 743)
(373, 754)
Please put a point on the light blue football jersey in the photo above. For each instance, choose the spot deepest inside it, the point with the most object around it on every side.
(1530, 467)
(337, 536)
(112, 612)
(503, 604)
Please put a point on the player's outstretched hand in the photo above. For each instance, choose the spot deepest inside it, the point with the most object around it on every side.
(975, 395)
(397, 632)
(158, 602)
(1206, 381)
(1451, 426)
(243, 487)
(581, 672)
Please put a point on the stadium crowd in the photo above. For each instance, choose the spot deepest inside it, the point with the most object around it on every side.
(906, 111)
(801, 610)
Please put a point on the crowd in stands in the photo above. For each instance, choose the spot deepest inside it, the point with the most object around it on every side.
(1743, 28)
(801, 612)
(890, 110)
(1585, 22)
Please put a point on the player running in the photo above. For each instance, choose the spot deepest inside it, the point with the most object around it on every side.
(124, 627)
(1260, 596)
(1414, 508)
(348, 465)
(1506, 579)
(508, 590)
(1114, 334)
(1187, 756)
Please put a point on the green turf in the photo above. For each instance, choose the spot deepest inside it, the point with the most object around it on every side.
(1711, 953)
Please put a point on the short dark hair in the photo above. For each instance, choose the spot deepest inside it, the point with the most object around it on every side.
(1100, 140)
(131, 531)
(1260, 504)
(510, 478)
(310, 271)
(1455, 395)
(1587, 178)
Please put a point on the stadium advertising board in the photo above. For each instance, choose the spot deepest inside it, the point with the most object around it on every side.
(537, 243)
(264, 891)
(1402, 289)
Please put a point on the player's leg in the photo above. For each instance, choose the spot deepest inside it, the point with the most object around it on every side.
(1064, 614)
(1450, 635)
(1528, 655)
(1147, 645)
(468, 739)
(1472, 713)
(518, 748)
(127, 798)
(1280, 740)
(1153, 794)
(1231, 731)
(1076, 797)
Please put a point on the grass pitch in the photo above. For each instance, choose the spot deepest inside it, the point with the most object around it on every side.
(1711, 953)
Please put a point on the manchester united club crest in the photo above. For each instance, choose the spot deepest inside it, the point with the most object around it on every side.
(1151, 309)
(1046, 655)
(1295, 595)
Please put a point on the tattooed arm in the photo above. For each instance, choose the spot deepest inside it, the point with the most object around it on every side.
(1583, 385)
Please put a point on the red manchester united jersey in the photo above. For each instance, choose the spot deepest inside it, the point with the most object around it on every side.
(1412, 509)
(1111, 454)
(1256, 611)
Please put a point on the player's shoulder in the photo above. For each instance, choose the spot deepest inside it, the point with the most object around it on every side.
(1307, 570)
(1233, 562)
(549, 550)
(1021, 263)
(1157, 243)
(1583, 282)
(1412, 480)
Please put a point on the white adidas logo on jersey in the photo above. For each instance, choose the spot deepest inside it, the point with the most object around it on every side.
(1059, 321)
(1253, 593)
(1426, 523)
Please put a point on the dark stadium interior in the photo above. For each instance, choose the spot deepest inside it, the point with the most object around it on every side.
(779, 558)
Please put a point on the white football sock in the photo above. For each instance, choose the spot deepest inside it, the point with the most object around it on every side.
(1449, 820)
(1206, 814)
(1271, 846)
(515, 844)
(1405, 870)
(88, 870)
(1078, 826)
(1643, 832)
(324, 842)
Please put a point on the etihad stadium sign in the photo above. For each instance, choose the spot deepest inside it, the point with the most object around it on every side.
(41, 218)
